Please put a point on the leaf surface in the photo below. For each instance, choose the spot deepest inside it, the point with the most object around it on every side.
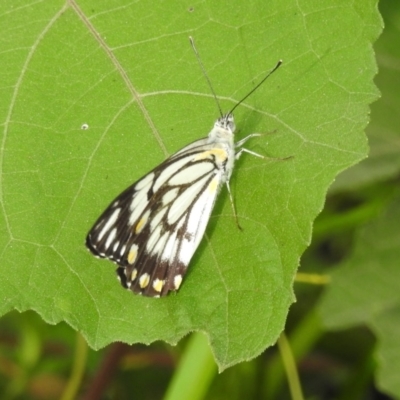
(98, 93)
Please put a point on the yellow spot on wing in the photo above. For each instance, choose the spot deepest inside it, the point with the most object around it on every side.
(133, 274)
(132, 254)
(158, 285)
(177, 281)
(220, 154)
(140, 225)
(213, 186)
(144, 280)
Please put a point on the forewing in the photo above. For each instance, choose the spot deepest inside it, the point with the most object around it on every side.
(152, 229)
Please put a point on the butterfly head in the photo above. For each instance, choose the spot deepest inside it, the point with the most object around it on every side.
(226, 123)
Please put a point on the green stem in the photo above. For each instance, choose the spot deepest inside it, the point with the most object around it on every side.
(302, 339)
(195, 371)
(290, 368)
(78, 369)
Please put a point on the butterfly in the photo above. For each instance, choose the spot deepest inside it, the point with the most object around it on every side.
(152, 229)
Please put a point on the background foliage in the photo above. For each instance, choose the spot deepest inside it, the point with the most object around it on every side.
(99, 93)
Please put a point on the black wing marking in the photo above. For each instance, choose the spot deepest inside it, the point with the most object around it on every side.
(152, 229)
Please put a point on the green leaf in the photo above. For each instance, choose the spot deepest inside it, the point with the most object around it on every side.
(97, 94)
(383, 161)
(365, 290)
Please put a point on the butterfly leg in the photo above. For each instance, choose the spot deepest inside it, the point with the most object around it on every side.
(241, 142)
(253, 153)
(233, 205)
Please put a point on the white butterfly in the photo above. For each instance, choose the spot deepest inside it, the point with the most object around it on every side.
(153, 228)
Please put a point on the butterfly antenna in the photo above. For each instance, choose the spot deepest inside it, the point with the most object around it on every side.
(206, 76)
(279, 63)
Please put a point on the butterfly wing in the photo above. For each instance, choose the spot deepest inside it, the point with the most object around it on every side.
(152, 229)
